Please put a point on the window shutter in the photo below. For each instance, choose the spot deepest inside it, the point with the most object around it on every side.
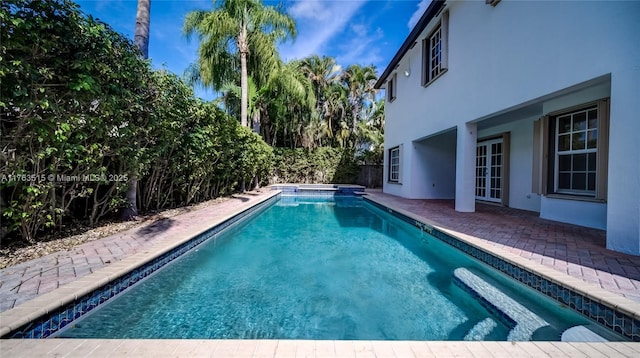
(603, 150)
(444, 32)
(425, 61)
(506, 159)
(540, 155)
(387, 165)
(401, 165)
(394, 92)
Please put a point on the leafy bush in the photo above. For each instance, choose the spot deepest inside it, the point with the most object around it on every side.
(79, 110)
(319, 165)
(73, 94)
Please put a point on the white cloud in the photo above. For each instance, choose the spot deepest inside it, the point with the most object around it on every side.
(422, 6)
(318, 23)
(361, 48)
(359, 29)
(314, 10)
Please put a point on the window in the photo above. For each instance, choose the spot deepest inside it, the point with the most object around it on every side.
(394, 164)
(576, 140)
(434, 51)
(391, 87)
(575, 145)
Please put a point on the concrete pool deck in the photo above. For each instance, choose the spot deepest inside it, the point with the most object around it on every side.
(573, 252)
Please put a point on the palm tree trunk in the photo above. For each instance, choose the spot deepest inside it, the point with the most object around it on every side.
(244, 101)
(141, 39)
(243, 46)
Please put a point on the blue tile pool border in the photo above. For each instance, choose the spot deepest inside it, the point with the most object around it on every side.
(319, 190)
(49, 324)
(602, 314)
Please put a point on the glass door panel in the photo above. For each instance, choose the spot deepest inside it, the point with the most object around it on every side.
(489, 170)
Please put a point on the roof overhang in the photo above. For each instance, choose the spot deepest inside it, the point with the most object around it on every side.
(431, 12)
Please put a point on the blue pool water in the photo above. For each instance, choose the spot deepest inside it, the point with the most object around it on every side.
(317, 268)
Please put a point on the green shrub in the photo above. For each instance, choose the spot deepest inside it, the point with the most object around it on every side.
(76, 100)
(315, 166)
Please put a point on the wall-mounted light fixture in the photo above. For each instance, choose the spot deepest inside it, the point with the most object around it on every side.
(407, 71)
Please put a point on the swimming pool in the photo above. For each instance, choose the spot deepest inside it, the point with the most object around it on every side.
(327, 268)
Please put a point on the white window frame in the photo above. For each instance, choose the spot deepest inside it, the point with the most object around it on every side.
(394, 165)
(546, 156)
(572, 153)
(435, 49)
(435, 53)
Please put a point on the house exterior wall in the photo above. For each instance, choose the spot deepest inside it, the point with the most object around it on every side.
(509, 56)
(434, 164)
(623, 210)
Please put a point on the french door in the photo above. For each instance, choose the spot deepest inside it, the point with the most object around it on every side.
(490, 170)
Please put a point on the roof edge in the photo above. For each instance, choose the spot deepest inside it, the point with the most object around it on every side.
(431, 12)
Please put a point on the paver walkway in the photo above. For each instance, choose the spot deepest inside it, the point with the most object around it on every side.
(29, 279)
(578, 251)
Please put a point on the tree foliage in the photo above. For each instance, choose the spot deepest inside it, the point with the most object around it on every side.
(314, 103)
(238, 39)
(79, 108)
(306, 103)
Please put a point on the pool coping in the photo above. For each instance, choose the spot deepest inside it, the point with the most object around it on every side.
(45, 304)
(319, 189)
(307, 348)
(595, 293)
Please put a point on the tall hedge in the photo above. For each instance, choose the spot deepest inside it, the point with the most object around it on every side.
(79, 107)
(320, 165)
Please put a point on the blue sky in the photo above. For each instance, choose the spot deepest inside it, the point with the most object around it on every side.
(352, 31)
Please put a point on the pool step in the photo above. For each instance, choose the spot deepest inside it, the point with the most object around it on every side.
(581, 334)
(524, 322)
(481, 330)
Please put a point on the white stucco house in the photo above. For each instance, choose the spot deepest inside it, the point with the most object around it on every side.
(533, 105)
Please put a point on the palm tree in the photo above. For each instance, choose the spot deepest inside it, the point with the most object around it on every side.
(360, 81)
(294, 90)
(324, 73)
(244, 27)
(335, 109)
(233, 92)
(141, 39)
(286, 84)
(371, 134)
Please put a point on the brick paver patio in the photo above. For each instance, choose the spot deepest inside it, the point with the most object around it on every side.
(28, 280)
(578, 251)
